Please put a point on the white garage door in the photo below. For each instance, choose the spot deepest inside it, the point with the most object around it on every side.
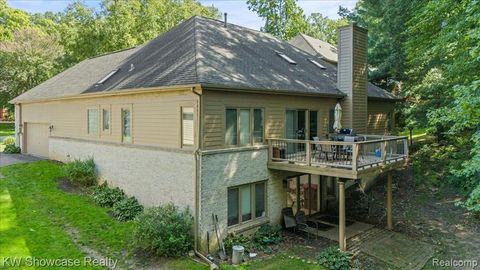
(37, 139)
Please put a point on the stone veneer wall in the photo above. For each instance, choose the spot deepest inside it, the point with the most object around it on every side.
(154, 176)
(222, 169)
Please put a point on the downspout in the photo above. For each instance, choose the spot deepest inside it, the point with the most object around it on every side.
(197, 183)
(18, 126)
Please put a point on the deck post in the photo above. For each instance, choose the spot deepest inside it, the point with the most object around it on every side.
(389, 201)
(355, 151)
(384, 152)
(341, 215)
(323, 192)
(308, 153)
(270, 150)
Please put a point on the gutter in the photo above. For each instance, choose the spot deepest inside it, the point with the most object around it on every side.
(212, 265)
(270, 91)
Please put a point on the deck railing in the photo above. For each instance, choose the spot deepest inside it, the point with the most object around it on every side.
(370, 151)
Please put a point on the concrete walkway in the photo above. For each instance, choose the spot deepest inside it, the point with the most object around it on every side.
(391, 247)
(9, 159)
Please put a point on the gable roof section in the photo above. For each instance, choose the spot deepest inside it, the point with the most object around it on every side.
(325, 50)
(329, 53)
(197, 51)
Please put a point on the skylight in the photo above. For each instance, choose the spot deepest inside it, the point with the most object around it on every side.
(108, 76)
(316, 63)
(286, 58)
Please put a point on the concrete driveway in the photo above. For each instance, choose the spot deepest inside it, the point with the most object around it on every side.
(9, 159)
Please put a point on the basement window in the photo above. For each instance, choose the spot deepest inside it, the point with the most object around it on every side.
(246, 203)
(108, 76)
(286, 58)
(316, 63)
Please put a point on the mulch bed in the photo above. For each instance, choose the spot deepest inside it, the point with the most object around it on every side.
(65, 185)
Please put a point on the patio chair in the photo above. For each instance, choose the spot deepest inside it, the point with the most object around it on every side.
(347, 149)
(288, 218)
(323, 149)
(303, 224)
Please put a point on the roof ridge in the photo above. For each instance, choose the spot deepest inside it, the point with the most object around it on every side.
(112, 52)
(195, 46)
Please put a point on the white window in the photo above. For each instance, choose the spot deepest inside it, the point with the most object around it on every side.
(244, 126)
(126, 125)
(187, 126)
(105, 119)
(92, 121)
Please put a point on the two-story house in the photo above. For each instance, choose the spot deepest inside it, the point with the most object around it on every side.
(216, 117)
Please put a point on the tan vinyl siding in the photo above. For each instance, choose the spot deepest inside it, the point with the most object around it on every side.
(155, 117)
(359, 100)
(215, 103)
(352, 76)
(378, 117)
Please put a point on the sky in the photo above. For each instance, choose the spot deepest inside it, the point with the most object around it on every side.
(237, 10)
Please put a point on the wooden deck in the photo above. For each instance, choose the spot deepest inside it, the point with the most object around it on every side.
(373, 155)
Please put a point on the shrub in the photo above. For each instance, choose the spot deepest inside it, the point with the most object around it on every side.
(9, 140)
(165, 230)
(236, 239)
(81, 172)
(12, 149)
(106, 196)
(127, 209)
(267, 235)
(334, 259)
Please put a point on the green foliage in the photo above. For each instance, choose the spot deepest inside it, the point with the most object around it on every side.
(106, 196)
(9, 140)
(334, 259)
(11, 20)
(262, 239)
(127, 209)
(28, 58)
(267, 235)
(323, 28)
(81, 172)
(12, 149)
(473, 202)
(283, 18)
(165, 230)
(235, 240)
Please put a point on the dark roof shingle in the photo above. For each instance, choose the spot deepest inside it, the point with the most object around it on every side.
(197, 51)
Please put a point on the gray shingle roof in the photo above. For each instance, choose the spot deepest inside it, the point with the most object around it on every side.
(329, 52)
(197, 51)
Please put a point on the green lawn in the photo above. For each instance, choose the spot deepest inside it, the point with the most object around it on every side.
(277, 262)
(36, 216)
(417, 133)
(7, 129)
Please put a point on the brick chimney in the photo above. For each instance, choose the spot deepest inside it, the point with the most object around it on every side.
(352, 72)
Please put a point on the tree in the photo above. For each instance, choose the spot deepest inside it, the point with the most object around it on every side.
(445, 36)
(133, 22)
(11, 19)
(28, 59)
(386, 24)
(323, 28)
(283, 18)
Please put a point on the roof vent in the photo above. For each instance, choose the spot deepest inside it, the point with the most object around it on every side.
(132, 67)
(108, 76)
(286, 58)
(316, 63)
(225, 19)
